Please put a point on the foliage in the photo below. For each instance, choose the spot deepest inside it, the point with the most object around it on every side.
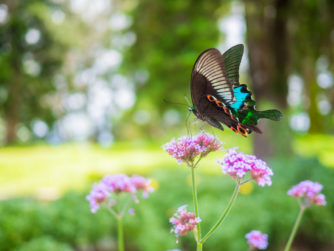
(169, 38)
(291, 38)
(30, 58)
(68, 221)
(44, 243)
(311, 47)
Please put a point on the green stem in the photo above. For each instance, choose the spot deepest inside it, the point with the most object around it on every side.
(111, 211)
(120, 234)
(125, 206)
(224, 214)
(294, 230)
(199, 246)
(193, 176)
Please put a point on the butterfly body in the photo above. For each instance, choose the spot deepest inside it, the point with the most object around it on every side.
(217, 96)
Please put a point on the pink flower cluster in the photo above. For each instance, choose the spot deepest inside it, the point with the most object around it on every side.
(112, 185)
(309, 191)
(183, 221)
(238, 164)
(188, 148)
(257, 240)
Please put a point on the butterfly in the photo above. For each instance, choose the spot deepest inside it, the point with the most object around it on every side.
(218, 97)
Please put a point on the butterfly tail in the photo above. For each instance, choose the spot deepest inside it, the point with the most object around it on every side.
(275, 115)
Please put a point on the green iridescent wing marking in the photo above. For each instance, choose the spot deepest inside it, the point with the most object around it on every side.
(232, 59)
(251, 116)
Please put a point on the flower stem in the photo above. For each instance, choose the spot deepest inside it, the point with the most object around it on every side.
(120, 234)
(294, 230)
(224, 214)
(199, 246)
(125, 206)
(111, 211)
(193, 176)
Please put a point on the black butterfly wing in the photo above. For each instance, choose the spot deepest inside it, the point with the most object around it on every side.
(228, 121)
(211, 75)
(211, 66)
(199, 88)
(232, 59)
(221, 71)
(209, 111)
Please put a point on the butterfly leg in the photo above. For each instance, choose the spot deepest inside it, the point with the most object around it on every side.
(201, 127)
(188, 124)
(215, 123)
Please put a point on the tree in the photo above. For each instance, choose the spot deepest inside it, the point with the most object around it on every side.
(169, 37)
(288, 37)
(30, 57)
(268, 55)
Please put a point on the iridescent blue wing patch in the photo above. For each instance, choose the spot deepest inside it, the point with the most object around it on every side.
(241, 94)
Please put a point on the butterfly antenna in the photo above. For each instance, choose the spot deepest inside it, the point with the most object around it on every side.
(186, 98)
(173, 103)
(201, 127)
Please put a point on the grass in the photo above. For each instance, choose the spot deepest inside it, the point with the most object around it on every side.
(317, 145)
(50, 170)
(46, 172)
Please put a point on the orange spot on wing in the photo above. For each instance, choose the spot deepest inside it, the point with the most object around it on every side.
(211, 98)
(219, 103)
(233, 129)
(242, 130)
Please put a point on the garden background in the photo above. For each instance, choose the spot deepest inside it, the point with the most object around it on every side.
(87, 89)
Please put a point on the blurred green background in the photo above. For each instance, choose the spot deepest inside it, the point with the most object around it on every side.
(82, 90)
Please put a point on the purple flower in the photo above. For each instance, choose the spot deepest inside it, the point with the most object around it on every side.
(119, 183)
(97, 195)
(131, 211)
(186, 149)
(207, 143)
(183, 221)
(257, 240)
(142, 184)
(238, 164)
(104, 192)
(309, 192)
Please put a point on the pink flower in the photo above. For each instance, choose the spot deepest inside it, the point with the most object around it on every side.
(142, 184)
(183, 221)
(131, 211)
(309, 192)
(238, 164)
(186, 149)
(119, 183)
(104, 192)
(257, 240)
(97, 195)
(207, 143)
